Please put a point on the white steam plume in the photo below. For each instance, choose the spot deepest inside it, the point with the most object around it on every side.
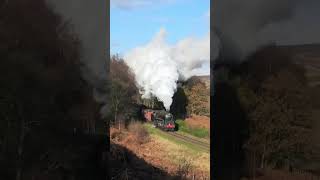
(158, 66)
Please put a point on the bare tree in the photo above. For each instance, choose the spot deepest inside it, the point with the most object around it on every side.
(123, 90)
(40, 81)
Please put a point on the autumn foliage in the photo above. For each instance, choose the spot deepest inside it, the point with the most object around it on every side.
(275, 97)
(198, 95)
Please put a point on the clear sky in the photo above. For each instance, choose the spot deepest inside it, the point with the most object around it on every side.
(135, 22)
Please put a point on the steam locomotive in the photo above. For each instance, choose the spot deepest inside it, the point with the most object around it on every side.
(160, 119)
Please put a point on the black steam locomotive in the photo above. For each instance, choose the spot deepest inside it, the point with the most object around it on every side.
(160, 119)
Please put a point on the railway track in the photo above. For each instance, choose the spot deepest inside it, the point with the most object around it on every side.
(203, 145)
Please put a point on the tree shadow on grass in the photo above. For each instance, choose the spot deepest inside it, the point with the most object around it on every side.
(124, 163)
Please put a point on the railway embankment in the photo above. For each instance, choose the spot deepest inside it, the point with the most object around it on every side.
(161, 150)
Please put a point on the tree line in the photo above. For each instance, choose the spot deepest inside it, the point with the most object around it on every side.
(275, 98)
(42, 91)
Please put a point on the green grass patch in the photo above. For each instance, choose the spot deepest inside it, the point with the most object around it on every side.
(197, 132)
(163, 135)
(205, 140)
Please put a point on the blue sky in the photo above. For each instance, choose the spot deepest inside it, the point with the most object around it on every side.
(134, 22)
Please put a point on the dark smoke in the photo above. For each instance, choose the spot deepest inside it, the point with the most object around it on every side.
(244, 26)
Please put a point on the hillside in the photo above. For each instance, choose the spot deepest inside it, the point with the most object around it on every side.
(273, 59)
(196, 79)
(308, 56)
(205, 79)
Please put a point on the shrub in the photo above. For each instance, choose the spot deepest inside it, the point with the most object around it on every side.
(116, 135)
(140, 133)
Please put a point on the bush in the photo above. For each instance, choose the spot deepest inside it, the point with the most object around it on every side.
(116, 135)
(140, 133)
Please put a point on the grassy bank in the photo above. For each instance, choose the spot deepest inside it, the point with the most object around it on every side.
(163, 135)
(179, 152)
(197, 132)
(183, 157)
(175, 157)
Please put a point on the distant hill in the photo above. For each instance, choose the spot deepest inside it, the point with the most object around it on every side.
(307, 56)
(269, 60)
(196, 79)
(205, 79)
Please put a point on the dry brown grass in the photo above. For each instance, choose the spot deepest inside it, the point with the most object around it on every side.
(178, 154)
(184, 168)
(196, 121)
(164, 154)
